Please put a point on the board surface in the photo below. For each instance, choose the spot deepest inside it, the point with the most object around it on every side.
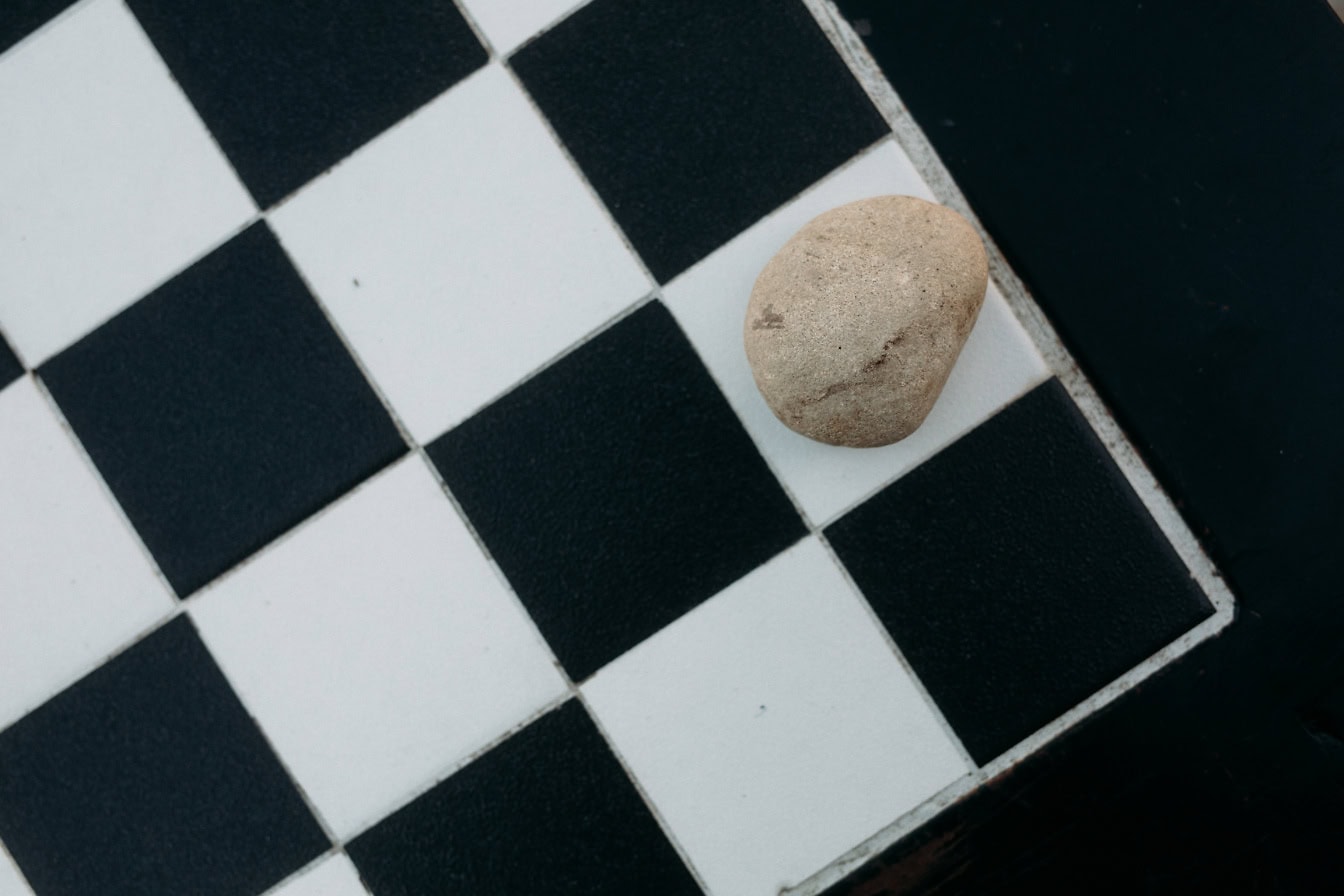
(386, 505)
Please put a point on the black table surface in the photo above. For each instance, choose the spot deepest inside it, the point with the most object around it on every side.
(1168, 179)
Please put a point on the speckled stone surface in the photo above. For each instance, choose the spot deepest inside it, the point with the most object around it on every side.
(854, 326)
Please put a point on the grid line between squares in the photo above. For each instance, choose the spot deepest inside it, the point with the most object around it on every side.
(291, 90)
(997, 365)
(182, 606)
(775, 724)
(1042, 335)
(257, 216)
(1098, 418)
(626, 82)
(454, 278)
(229, 384)
(572, 690)
(112, 171)
(153, 707)
(77, 8)
(276, 543)
(110, 499)
(816, 531)
(582, 341)
(642, 791)
(885, 640)
(920, 150)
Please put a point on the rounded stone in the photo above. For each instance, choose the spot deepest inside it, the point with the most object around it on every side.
(853, 327)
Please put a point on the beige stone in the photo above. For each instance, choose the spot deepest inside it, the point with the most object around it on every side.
(853, 327)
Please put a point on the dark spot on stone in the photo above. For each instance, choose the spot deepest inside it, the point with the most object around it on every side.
(769, 320)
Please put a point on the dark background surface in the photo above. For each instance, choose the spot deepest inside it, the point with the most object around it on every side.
(1168, 179)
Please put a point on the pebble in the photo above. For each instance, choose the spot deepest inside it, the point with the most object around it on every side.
(853, 327)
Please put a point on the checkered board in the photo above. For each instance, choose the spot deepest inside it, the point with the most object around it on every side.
(385, 503)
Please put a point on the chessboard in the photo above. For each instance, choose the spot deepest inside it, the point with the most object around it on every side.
(386, 505)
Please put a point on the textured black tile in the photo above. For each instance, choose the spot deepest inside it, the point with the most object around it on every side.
(148, 777)
(694, 119)
(10, 368)
(1018, 571)
(289, 87)
(19, 18)
(616, 490)
(549, 811)
(222, 409)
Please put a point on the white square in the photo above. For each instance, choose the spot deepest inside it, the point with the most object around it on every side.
(773, 727)
(111, 183)
(376, 647)
(333, 876)
(11, 882)
(75, 583)
(508, 23)
(997, 364)
(459, 251)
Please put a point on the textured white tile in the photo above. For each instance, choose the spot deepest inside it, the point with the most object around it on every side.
(998, 363)
(376, 647)
(333, 876)
(110, 182)
(11, 882)
(508, 23)
(75, 584)
(773, 727)
(459, 251)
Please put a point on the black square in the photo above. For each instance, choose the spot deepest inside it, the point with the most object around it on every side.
(10, 368)
(19, 18)
(1018, 572)
(617, 490)
(222, 409)
(548, 811)
(146, 777)
(291, 87)
(692, 120)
